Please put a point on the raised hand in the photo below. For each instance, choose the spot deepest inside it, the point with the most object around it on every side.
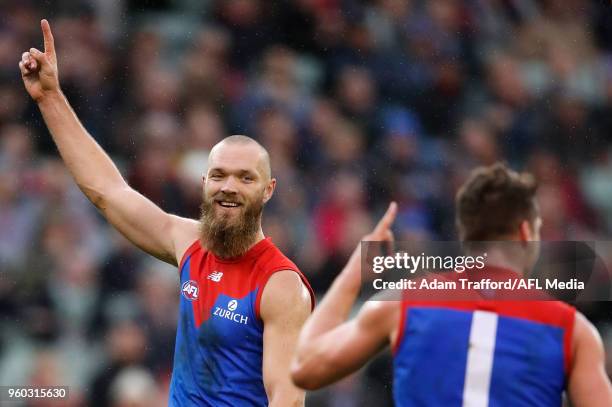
(39, 69)
(351, 274)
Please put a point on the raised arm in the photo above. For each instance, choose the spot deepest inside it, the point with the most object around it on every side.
(142, 222)
(330, 347)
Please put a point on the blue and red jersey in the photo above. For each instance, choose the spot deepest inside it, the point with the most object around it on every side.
(219, 341)
(482, 353)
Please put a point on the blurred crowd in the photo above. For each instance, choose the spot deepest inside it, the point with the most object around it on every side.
(358, 103)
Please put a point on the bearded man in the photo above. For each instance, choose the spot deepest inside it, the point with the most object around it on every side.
(242, 301)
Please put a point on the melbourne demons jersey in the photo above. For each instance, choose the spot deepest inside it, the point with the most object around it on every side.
(219, 340)
(482, 353)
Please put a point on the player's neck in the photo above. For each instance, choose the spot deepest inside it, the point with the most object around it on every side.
(259, 236)
(504, 259)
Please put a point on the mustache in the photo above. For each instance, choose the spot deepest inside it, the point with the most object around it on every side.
(222, 196)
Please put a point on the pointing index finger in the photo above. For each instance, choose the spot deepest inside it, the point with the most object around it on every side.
(48, 37)
(388, 218)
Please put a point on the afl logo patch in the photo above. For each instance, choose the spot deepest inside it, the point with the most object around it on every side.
(190, 290)
(232, 305)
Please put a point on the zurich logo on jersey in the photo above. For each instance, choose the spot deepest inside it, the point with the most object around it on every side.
(190, 290)
(230, 313)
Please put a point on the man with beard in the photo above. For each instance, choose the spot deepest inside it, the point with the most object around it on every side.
(242, 301)
(463, 348)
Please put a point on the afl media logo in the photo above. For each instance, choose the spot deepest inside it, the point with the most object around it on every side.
(190, 290)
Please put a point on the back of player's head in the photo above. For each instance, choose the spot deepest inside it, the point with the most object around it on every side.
(493, 202)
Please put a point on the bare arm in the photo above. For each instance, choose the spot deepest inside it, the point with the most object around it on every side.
(347, 347)
(589, 385)
(330, 348)
(142, 222)
(285, 305)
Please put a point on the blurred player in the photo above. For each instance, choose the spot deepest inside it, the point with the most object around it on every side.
(243, 302)
(463, 353)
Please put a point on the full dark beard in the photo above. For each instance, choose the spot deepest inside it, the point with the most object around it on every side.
(226, 238)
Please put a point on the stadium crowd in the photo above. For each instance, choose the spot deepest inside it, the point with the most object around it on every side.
(358, 102)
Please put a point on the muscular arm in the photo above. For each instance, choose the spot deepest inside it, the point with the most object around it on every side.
(332, 355)
(330, 348)
(142, 222)
(285, 305)
(589, 385)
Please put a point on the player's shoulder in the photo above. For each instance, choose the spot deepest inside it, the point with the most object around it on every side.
(585, 333)
(285, 293)
(562, 312)
(586, 341)
(282, 286)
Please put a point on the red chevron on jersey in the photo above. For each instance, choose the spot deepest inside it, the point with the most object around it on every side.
(219, 339)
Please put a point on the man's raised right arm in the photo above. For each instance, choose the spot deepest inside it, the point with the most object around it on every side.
(162, 235)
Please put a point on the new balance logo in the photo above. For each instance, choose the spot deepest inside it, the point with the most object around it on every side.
(215, 276)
